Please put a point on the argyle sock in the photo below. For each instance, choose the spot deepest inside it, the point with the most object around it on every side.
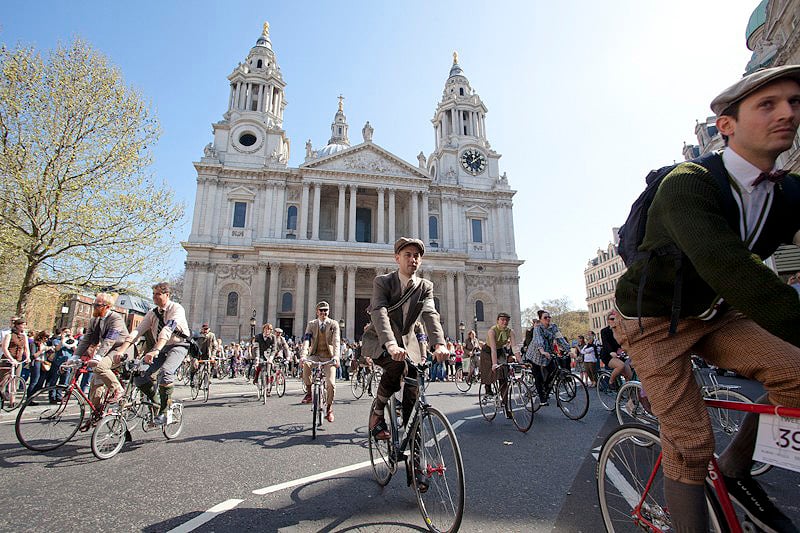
(687, 506)
(165, 393)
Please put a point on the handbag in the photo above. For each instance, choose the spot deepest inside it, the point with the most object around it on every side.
(370, 344)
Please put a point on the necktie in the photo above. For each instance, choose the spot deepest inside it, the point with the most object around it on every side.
(774, 177)
(322, 328)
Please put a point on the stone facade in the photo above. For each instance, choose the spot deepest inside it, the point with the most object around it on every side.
(600, 276)
(275, 239)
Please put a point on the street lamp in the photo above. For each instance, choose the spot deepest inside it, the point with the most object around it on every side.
(475, 320)
(461, 328)
(252, 331)
(64, 311)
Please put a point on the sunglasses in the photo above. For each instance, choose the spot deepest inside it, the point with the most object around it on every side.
(322, 310)
(611, 319)
(97, 306)
(545, 318)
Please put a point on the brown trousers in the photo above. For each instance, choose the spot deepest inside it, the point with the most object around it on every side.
(330, 376)
(103, 379)
(662, 361)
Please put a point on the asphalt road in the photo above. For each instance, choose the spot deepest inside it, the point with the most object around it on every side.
(243, 466)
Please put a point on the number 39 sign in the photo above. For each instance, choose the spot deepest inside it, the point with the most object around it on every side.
(778, 442)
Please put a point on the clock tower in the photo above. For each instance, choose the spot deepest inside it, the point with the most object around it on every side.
(462, 154)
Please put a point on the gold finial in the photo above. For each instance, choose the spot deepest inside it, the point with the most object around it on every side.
(340, 102)
(266, 28)
(455, 58)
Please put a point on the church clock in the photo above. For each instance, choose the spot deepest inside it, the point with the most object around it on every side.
(473, 161)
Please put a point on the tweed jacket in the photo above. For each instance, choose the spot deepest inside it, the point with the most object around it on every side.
(331, 333)
(386, 291)
(108, 334)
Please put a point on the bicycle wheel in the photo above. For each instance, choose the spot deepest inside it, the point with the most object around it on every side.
(726, 423)
(54, 425)
(269, 382)
(195, 385)
(629, 408)
(174, 424)
(606, 393)
(132, 402)
(520, 401)
(109, 436)
(381, 452)
(377, 374)
(206, 385)
(262, 385)
(280, 383)
(572, 396)
(487, 403)
(461, 383)
(13, 394)
(314, 409)
(357, 384)
(438, 473)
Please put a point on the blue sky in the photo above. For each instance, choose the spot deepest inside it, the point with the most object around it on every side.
(584, 97)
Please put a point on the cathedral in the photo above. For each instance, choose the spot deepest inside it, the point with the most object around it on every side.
(269, 241)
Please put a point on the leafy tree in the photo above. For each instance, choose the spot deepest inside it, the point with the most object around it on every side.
(79, 207)
(571, 322)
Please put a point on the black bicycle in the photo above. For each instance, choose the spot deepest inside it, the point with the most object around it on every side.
(318, 394)
(572, 396)
(438, 471)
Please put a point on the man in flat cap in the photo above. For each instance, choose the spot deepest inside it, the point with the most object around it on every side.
(735, 312)
(400, 301)
(321, 343)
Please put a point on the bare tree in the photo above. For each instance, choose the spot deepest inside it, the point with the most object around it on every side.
(80, 208)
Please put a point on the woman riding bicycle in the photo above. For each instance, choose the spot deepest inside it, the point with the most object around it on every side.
(545, 336)
(499, 349)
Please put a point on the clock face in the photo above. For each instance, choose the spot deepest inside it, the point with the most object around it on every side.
(473, 161)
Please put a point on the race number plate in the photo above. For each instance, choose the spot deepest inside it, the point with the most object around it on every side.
(778, 442)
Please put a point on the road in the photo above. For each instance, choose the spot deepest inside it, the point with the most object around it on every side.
(243, 466)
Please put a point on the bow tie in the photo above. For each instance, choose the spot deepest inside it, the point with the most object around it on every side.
(774, 177)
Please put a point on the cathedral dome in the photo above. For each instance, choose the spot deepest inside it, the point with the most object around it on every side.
(332, 148)
(757, 19)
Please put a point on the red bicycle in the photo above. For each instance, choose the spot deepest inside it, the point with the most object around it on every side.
(630, 480)
(43, 425)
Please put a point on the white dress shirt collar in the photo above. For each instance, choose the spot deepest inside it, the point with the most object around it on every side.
(743, 171)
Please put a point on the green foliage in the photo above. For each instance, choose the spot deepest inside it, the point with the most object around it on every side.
(571, 322)
(79, 206)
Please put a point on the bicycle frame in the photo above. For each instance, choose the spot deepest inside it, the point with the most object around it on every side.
(420, 405)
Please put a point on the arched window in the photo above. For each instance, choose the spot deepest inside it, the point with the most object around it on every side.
(286, 302)
(258, 65)
(479, 310)
(233, 304)
(433, 228)
(291, 217)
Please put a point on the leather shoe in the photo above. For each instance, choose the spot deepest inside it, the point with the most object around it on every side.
(160, 420)
(329, 416)
(306, 398)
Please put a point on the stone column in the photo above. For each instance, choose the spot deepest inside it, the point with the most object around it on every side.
(260, 293)
(219, 192)
(425, 234)
(315, 219)
(188, 294)
(279, 209)
(199, 199)
(313, 274)
(300, 301)
(338, 292)
(209, 284)
(303, 225)
(495, 221)
(392, 236)
(451, 324)
(381, 215)
(352, 213)
(415, 214)
(351, 301)
(340, 215)
(274, 286)
(461, 298)
(444, 224)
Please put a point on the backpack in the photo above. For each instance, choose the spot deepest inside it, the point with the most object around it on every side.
(631, 233)
(193, 350)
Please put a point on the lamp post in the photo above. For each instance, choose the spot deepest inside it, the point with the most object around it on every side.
(461, 328)
(475, 320)
(252, 331)
(64, 311)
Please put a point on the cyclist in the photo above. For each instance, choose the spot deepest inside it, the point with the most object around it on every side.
(321, 343)
(540, 352)
(167, 323)
(733, 309)
(391, 340)
(611, 352)
(16, 352)
(266, 351)
(208, 346)
(499, 349)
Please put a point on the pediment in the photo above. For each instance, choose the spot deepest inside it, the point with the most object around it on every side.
(241, 193)
(367, 158)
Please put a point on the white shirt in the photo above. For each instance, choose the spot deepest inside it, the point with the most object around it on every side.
(752, 201)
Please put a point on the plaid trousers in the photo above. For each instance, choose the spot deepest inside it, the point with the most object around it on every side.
(662, 361)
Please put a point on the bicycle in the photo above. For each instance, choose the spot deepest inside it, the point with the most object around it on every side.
(12, 392)
(630, 480)
(111, 433)
(606, 390)
(518, 398)
(318, 394)
(201, 380)
(438, 471)
(279, 373)
(362, 380)
(572, 396)
(57, 423)
(464, 383)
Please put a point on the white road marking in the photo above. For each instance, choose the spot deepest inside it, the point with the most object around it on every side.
(201, 519)
(309, 479)
(473, 417)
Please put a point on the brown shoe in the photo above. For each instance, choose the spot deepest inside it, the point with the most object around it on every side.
(378, 428)
(306, 398)
(329, 415)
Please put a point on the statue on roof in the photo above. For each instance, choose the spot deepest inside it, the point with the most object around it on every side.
(366, 132)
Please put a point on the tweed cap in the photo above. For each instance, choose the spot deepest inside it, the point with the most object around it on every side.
(323, 305)
(402, 242)
(503, 314)
(751, 83)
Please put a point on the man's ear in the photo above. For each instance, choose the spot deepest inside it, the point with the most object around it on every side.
(726, 125)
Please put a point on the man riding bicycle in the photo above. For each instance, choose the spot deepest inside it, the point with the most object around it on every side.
(321, 343)
(265, 346)
(729, 307)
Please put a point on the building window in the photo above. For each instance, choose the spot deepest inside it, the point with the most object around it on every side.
(286, 302)
(239, 214)
(291, 217)
(479, 310)
(233, 304)
(461, 91)
(477, 230)
(363, 224)
(258, 65)
(433, 228)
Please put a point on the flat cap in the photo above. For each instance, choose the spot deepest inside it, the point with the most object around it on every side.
(751, 83)
(402, 242)
(323, 305)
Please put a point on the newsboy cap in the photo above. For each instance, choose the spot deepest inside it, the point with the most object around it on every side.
(751, 83)
(402, 242)
(323, 305)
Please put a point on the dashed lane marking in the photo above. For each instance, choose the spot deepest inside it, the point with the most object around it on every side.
(201, 519)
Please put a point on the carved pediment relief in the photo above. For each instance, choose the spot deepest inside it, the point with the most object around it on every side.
(368, 160)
